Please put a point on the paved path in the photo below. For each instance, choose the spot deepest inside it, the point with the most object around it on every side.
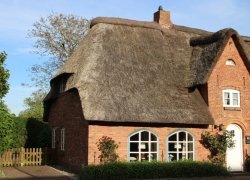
(35, 172)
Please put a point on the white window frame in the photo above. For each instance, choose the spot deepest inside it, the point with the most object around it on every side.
(231, 92)
(140, 143)
(53, 143)
(230, 62)
(177, 143)
(62, 139)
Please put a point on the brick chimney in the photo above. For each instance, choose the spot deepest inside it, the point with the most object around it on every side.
(163, 18)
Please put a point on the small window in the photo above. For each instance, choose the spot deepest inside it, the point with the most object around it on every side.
(62, 86)
(143, 146)
(62, 139)
(53, 138)
(180, 146)
(230, 62)
(231, 98)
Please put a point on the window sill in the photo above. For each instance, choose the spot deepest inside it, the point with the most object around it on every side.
(232, 108)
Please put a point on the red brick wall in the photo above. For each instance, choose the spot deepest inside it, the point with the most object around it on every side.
(121, 134)
(230, 77)
(66, 112)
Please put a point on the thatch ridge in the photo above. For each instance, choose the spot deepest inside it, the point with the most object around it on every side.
(246, 38)
(126, 22)
(191, 30)
(208, 39)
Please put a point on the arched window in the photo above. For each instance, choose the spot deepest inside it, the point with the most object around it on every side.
(143, 146)
(180, 146)
(230, 62)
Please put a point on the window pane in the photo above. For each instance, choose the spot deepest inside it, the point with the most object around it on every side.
(182, 136)
(235, 102)
(182, 156)
(226, 95)
(182, 147)
(153, 156)
(171, 147)
(134, 147)
(190, 147)
(135, 137)
(172, 157)
(153, 137)
(153, 147)
(230, 62)
(173, 137)
(144, 147)
(226, 101)
(190, 138)
(191, 156)
(235, 95)
(134, 156)
(144, 156)
(144, 136)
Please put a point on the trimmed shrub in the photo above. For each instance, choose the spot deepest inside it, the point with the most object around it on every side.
(147, 170)
(38, 134)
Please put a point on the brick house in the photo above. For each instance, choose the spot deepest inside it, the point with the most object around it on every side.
(154, 87)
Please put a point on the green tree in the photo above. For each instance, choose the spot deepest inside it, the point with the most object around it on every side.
(4, 76)
(56, 36)
(6, 119)
(34, 105)
(6, 128)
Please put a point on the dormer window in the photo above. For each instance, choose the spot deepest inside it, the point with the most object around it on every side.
(231, 98)
(61, 85)
(230, 62)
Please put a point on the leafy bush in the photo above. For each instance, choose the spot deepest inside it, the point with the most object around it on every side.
(146, 170)
(218, 144)
(107, 146)
(248, 164)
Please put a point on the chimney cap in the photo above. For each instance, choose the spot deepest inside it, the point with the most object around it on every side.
(160, 8)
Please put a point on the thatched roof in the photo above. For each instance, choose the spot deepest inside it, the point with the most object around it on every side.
(131, 71)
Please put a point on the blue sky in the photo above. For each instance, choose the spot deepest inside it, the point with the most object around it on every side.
(17, 17)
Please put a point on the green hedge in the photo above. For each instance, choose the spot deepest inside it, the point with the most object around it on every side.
(28, 133)
(38, 134)
(147, 170)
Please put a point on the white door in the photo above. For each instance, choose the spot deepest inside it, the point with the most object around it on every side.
(234, 155)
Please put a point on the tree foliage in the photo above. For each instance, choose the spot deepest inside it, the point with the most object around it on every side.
(6, 119)
(6, 128)
(56, 36)
(107, 146)
(4, 76)
(34, 105)
(218, 144)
